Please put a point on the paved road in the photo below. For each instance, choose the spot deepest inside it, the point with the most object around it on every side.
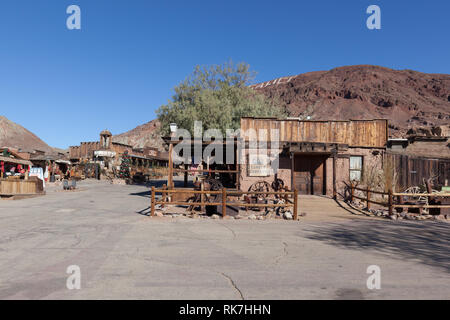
(123, 254)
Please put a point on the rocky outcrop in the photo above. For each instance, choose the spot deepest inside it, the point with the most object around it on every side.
(409, 99)
(146, 135)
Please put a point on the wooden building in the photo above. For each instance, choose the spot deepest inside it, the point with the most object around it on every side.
(314, 157)
(420, 158)
(108, 154)
(14, 175)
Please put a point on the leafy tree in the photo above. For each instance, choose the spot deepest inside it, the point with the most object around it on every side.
(218, 96)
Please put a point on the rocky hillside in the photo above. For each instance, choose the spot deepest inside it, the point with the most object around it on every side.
(145, 135)
(15, 136)
(409, 99)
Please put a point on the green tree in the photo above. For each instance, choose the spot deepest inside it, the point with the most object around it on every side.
(219, 96)
(124, 171)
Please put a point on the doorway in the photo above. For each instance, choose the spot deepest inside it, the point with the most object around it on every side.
(309, 174)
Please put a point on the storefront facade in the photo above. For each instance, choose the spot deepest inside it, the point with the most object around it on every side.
(314, 157)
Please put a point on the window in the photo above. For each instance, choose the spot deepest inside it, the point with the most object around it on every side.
(356, 168)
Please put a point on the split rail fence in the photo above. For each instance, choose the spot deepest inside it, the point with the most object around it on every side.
(290, 197)
(391, 196)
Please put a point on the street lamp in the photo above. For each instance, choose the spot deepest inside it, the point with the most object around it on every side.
(173, 127)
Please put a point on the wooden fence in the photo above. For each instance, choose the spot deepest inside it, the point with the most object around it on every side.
(398, 196)
(12, 187)
(224, 201)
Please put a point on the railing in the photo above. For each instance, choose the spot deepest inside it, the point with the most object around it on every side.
(236, 173)
(224, 201)
(399, 196)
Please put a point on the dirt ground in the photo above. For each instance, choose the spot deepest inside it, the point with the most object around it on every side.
(122, 253)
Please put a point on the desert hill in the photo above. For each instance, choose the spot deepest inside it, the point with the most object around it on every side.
(145, 135)
(15, 136)
(409, 99)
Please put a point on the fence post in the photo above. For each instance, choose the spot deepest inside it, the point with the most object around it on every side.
(202, 197)
(224, 202)
(390, 201)
(164, 195)
(153, 202)
(295, 204)
(368, 199)
(400, 201)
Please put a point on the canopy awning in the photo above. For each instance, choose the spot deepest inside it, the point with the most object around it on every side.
(17, 161)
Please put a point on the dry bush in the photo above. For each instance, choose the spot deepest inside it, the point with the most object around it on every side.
(382, 179)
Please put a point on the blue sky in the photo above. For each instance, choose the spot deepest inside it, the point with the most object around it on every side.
(68, 85)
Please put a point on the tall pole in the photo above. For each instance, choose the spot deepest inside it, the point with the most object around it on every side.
(295, 204)
(152, 204)
(334, 177)
(170, 178)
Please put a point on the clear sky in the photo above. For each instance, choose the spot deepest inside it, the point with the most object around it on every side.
(68, 85)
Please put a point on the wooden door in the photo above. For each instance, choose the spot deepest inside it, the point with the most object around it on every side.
(309, 174)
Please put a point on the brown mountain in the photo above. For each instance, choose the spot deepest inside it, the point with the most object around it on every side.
(15, 136)
(409, 99)
(145, 135)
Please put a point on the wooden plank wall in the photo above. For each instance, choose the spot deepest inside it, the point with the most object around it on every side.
(413, 170)
(355, 133)
(18, 187)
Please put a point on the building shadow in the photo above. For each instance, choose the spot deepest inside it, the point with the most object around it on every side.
(427, 241)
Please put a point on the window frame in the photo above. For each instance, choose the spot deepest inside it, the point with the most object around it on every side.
(361, 171)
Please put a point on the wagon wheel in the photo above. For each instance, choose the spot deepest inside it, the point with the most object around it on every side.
(212, 185)
(260, 186)
(417, 196)
(193, 200)
(277, 184)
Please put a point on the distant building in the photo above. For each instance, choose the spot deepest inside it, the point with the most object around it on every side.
(108, 153)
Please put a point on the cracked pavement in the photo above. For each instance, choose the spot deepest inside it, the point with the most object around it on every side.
(123, 254)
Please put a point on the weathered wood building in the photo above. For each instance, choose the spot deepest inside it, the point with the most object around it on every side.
(315, 157)
(420, 158)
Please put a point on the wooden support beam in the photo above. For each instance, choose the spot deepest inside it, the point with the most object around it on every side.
(334, 177)
(202, 197)
(170, 178)
(295, 204)
(224, 202)
(292, 171)
(152, 204)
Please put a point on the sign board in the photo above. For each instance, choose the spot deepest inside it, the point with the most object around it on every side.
(259, 165)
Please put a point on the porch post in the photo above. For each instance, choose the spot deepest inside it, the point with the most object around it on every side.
(334, 176)
(170, 178)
